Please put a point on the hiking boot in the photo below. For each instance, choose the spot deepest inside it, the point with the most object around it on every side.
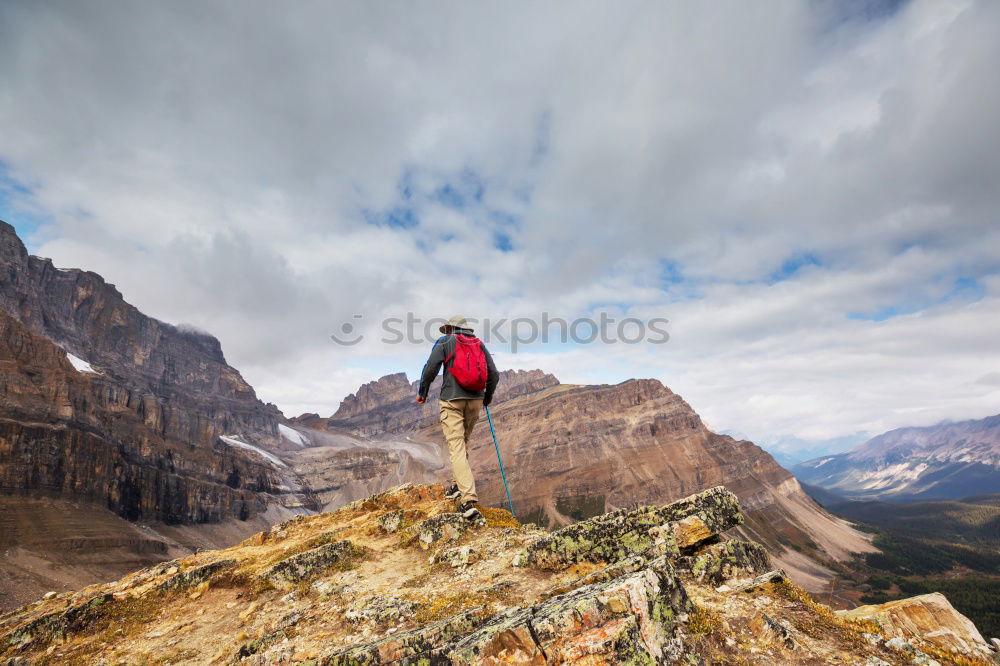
(453, 493)
(470, 512)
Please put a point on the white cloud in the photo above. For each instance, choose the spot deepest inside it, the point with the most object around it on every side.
(222, 165)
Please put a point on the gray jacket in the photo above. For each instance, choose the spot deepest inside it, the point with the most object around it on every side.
(450, 389)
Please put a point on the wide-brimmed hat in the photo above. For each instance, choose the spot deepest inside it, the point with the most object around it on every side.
(457, 321)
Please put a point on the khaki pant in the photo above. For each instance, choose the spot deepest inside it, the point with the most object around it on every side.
(458, 418)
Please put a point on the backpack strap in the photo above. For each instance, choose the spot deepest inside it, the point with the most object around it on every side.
(450, 356)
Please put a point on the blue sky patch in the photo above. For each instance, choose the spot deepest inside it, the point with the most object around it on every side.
(465, 190)
(501, 241)
(18, 207)
(793, 264)
(399, 217)
(965, 290)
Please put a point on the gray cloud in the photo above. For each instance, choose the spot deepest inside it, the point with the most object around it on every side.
(775, 178)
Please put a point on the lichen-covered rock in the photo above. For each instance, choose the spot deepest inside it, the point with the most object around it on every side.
(505, 639)
(652, 599)
(717, 507)
(594, 540)
(396, 520)
(380, 609)
(617, 642)
(927, 617)
(720, 562)
(195, 576)
(645, 531)
(457, 557)
(750, 584)
(55, 626)
(409, 645)
(311, 563)
(391, 521)
(443, 527)
(620, 568)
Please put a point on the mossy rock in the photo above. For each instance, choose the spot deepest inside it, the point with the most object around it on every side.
(724, 561)
(55, 626)
(312, 563)
(195, 576)
(647, 531)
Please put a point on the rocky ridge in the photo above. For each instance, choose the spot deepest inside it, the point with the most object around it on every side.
(397, 578)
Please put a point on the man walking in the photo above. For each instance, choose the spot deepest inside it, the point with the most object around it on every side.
(470, 378)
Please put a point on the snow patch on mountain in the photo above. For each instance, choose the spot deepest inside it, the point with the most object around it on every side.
(901, 473)
(80, 365)
(274, 460)
(292, 435)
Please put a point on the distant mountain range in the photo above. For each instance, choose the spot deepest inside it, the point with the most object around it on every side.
(945, 461)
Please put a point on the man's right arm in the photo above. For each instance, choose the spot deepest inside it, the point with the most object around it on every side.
(492, 378)
(431, 368)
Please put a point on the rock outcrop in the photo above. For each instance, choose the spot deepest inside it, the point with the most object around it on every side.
(356, 587)
(928, 619)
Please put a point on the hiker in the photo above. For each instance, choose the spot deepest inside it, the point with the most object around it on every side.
(470, 378)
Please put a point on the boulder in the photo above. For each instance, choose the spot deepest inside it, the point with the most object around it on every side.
(720, 562)
(458, 556)
(195, 576)
(928, 617)
(311, 563)
(443, 527)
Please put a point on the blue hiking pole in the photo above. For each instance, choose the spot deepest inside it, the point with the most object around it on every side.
(500, 460)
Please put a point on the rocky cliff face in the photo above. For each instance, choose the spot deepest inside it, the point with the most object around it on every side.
(947, 461)
(399, 579)
(102, 405)
(181, 376)
(83, 435)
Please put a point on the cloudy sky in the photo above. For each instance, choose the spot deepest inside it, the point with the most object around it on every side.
(808, 191)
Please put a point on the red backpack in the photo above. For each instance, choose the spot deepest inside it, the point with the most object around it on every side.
(469, 367)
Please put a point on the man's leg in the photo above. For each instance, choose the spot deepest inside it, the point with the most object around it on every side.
(472, 408)
(453, 425)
